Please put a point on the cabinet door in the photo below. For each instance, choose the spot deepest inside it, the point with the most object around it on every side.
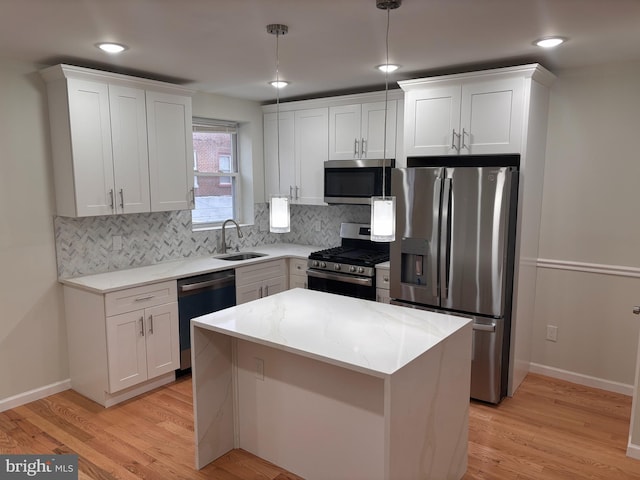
(129, 141)
(279, 180)
(126, 352)
(373, 126)
(344, 132)
(247, 293)
(432, 119)
(170, 151)
(492, 115)
(311, 151)
(163, 349)
(91, 147)
(275, 285)
(298, 281)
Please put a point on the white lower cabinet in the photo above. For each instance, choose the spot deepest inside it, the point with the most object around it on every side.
(122, 343)
(141, 345)
(298, 273)
(260, 280)
(382, 285)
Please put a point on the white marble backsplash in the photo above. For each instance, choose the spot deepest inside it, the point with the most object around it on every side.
(86, 245)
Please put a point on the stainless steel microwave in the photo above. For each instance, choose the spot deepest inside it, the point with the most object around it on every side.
(356, 181)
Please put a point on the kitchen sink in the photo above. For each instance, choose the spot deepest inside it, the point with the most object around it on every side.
(241, 256)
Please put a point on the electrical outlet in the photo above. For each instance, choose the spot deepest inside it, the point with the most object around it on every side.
(552, 333)
(317, 226)
(259, 368)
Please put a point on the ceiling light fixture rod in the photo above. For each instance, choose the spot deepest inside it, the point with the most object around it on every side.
(278, 29)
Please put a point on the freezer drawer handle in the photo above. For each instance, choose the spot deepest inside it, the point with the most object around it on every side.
(481, 327)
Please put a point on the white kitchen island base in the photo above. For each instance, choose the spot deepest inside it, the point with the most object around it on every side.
(332, 387)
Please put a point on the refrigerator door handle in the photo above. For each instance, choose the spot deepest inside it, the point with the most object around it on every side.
(481, 327)
(445, 238)
(434, 247)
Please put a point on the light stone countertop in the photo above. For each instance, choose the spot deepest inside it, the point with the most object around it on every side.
(369, 337)
(135, 277)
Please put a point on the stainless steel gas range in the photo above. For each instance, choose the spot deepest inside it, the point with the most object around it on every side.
(350, 268)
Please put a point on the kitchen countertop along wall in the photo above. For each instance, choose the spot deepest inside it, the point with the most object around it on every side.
(135, 277)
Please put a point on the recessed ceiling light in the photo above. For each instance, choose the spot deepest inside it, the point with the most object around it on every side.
(549, 42)
(279, 84)
(111, 47)
(387, 68)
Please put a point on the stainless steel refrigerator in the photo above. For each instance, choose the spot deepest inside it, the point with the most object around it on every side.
(454, 250)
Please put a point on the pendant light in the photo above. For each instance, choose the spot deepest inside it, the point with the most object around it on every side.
(383, 208)
(279, 214)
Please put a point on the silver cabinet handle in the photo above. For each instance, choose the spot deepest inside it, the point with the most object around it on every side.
(122, 198)
(142, 299)
(290, 191)
(636, 310)
(260, 292)
(355, 147)
(142, 326)
(193, 197)
(464, 145)
(266, 290)
(363, 150)
(111, 199)
(453, 141)
(151, 324)
(297, 192)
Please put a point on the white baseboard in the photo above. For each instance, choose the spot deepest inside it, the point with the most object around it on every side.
(33, 395)
(581, 379)
(633, 451)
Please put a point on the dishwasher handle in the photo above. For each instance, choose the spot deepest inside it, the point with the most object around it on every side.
(226, 280)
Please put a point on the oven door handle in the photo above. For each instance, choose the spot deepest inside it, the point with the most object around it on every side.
(364, 281)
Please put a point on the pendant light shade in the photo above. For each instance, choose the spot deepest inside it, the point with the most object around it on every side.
(383, 219)
(383, 209)
(279, 214)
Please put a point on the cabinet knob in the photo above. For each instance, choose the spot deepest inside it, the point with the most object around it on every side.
(636, 309)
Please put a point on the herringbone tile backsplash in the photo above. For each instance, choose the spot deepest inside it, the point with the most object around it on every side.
(85, 245)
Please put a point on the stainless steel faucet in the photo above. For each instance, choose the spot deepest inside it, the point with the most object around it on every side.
(224, 240)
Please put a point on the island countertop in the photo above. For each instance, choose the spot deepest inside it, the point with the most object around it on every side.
(369, 337)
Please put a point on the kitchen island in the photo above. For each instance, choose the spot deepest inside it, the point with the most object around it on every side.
(329, 386)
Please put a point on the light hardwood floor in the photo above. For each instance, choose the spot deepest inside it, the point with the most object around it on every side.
(549, 430)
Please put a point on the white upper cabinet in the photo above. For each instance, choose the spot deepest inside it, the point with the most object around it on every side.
(170, 151)
(460, 116)
(356, 131)
(120, 144)
(303, 150)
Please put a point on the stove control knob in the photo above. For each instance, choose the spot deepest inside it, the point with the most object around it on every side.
(352, 269)
(315, 263)
(360, 270)
(323, 265)
(336, 266)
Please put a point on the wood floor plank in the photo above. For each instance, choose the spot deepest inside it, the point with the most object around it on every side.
(549, 430)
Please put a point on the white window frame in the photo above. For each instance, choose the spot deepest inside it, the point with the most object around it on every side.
(200, 124)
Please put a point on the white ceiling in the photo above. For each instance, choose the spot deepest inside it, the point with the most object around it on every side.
(332, 45)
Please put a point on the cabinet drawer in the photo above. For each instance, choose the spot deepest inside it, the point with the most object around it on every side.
(136, 298)
(382, 278)
(298, 266)
(260, 272)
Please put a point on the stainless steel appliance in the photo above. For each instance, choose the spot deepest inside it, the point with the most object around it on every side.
(199, 295)
(355, 181)
(454, 250)
(350, 268)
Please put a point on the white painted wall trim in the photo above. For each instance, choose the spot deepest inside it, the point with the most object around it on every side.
(33, 395)
(633, 451)
(603, 269)
(581, 379)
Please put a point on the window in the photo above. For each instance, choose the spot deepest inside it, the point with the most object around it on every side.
(215, 171)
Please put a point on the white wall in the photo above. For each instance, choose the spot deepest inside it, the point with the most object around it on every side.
(33, 348)
(591, 215)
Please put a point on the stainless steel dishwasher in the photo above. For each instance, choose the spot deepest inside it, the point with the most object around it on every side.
(197, 296)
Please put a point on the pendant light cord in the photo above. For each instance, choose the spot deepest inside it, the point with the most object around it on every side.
(386, 106)
(278, 111)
